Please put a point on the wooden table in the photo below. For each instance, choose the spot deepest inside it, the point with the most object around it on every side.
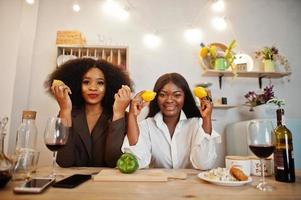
(191, 188)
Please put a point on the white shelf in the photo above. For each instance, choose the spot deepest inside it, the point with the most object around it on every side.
(251, 74)
(223, 106)
(117, 55)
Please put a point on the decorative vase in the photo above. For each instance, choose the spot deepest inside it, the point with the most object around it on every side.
(269, 65)
(220, 64)
(258, 112)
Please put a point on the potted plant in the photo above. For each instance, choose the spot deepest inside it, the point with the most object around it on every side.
(270, 55)
(254, 99)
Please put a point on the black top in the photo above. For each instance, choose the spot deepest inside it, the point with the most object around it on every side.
(100, 149)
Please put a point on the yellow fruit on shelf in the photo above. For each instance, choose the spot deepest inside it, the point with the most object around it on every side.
(57, 82)
(204, 52)
(200, 92)
(148, 95)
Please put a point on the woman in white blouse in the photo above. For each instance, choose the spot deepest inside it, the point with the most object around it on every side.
(176, 133)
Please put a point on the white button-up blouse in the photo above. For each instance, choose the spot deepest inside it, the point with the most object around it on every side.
(189, 146)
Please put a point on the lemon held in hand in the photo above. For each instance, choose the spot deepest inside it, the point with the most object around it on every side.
(57, 82)
(127, 163)
(148, 95)
(200, 92)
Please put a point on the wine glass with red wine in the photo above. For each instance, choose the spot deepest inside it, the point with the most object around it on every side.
(55, 137)
(261, 142)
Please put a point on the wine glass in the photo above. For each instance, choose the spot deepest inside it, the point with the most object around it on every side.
(261, 142)
(55, 137)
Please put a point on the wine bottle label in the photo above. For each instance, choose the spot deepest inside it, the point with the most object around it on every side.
(279, 159)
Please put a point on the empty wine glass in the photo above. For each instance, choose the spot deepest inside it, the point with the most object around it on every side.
(261, 142)
(55, 137)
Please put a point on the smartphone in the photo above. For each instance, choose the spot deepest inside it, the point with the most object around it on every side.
(72, 181)
(35, 185)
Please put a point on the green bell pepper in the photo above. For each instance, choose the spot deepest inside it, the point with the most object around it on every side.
(127, 163)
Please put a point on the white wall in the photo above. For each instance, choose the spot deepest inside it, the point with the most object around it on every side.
(255, 23)
(8, 51)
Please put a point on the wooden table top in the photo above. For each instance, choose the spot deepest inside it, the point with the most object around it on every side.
(190, 188)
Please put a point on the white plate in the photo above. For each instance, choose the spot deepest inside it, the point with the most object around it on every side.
(224, 183)
(244, 59)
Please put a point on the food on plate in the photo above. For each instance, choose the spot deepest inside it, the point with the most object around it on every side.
(148, 95)
(57, 82)
(219, 174)
(200, 92)
(238, 174)
(127, 163)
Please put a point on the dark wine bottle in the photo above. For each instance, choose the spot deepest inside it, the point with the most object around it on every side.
(284, 166)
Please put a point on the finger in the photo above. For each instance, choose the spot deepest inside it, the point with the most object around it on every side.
(116, 96)
(145, 103)
(127, 88)
(68, 89)
(66, 92)
(56, 90)
(128, 91)
(138, 95)
(59, 92)
(122, 92)
(208, 92)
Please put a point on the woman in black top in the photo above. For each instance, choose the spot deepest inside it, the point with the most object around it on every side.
(92, 98)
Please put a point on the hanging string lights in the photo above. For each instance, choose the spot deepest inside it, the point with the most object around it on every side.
(218, 5)
(151, 40)
(30, 1)
(193, 35)
(219, 23)
(76, 6)
(114, 9)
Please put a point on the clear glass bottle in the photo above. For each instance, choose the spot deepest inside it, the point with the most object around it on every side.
(284, 166)
(26, 143)
(6, 164)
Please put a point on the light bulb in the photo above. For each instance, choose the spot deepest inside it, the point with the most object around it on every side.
(76, 7)
(219, 23)
(151, 40)
(193, 36)
(30, 1)
(218, 5)
(114, 9)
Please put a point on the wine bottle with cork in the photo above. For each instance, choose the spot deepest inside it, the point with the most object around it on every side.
(284, 166)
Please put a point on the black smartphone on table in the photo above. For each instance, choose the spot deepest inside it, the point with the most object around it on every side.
(72, 181)
(35, 185)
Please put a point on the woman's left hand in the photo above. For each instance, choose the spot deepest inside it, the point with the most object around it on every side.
(122, 100)
(206, 112)
(206, 106)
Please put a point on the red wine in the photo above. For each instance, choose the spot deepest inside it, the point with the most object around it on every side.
(5, 176)
(54, 147)
(262, 151)
(284, 166)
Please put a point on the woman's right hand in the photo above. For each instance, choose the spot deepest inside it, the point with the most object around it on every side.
(61, 93)
(137, 104)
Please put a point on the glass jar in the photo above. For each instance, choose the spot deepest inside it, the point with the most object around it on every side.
(26, 142)
(6, 165)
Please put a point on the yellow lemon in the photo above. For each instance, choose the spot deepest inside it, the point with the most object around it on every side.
(148, 95)
(204, 52)
(57, 82)
(200, 92)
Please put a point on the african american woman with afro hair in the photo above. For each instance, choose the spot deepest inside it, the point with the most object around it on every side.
(92, 96)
